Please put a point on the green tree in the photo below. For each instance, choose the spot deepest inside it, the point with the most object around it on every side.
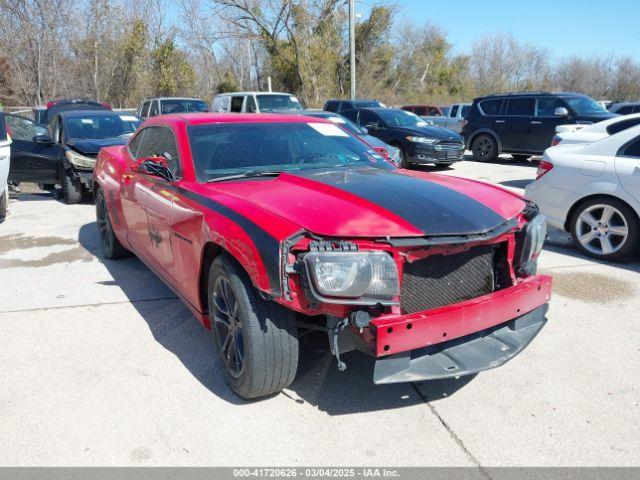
(172, 74)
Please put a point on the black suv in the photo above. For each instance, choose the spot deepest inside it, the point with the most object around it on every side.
(524, 124)
(338, 106)
(419, 142)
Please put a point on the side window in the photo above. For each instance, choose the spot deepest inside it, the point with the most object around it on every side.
(153, 111)
(236, 104)
(367, 118)
(144, 111)
(546, 106)
(491, 107)
(134, 144)
(521, 107)
(632, 149)
(636, 109)
(24, 129)
(331, 106)
(422, 111)
(156, 142)
(625, 110)
(622, 125)
(250, 105)
(345, 106)
(351, 115)
(454, 111)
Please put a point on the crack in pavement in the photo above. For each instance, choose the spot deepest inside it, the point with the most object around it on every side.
(452, 434)
(141, 300)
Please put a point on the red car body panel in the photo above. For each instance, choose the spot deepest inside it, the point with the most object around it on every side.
(172, 225)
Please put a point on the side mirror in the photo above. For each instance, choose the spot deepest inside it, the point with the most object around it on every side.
(561, 112)
(156, 167)
(373, 127)
(43, 139)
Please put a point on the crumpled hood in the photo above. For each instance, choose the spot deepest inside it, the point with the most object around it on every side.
(375, 202)
(91, 146)
(430, 132)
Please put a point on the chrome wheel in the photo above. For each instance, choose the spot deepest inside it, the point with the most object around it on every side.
(227, 326)
(602, 229)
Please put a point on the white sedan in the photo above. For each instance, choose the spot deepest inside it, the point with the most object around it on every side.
(5, 141)
(592, 191)
(586, 133)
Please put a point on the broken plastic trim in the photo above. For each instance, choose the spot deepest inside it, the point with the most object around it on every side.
(453, 239)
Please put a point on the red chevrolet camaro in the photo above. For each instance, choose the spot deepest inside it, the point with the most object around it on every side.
(270, 226)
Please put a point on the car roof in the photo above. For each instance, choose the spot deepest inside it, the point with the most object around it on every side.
(254, 93)
(83, 113)
(173, 98)
(529, 94)
(205, 118)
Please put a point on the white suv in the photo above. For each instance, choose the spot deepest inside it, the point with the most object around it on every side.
(254, 102)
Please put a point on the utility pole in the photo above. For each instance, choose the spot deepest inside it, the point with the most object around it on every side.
(352, 46)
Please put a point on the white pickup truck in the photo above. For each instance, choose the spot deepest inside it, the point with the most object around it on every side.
(5, 141)
(451, 117)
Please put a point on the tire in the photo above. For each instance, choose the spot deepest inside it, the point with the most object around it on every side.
(404, 161)
(592, 227)
(112, 249)
(520, 157)
(484, 148)
(71, 187)
(263, 332)
(3, 205)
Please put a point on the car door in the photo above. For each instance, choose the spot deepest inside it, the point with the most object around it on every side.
(35, 157)
(147, 200)
(375, 125)
(627, 165)
(543, 124)
(513, 126)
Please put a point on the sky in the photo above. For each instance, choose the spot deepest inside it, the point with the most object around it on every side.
(563, 27)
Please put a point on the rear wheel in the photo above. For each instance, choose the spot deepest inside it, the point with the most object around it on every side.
(111, 246)
(605, 228)
(3, 205)
(71, 187)
(255, 338)
(484, 148)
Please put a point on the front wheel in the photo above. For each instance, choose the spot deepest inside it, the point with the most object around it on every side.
(255, 338)
(484, 148)
(605, 228)
(71, 187)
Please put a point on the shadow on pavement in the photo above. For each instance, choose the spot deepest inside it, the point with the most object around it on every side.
(517, 183)
(318, 381)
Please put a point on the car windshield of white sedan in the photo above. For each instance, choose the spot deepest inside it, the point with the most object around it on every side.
(101, 126)
(270, 103)
(585, 106)
(220, 150)
(401, 118)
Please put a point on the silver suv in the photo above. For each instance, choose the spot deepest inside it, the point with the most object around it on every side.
(254, 102)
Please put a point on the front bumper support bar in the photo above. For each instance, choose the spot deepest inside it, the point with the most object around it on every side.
(466, 355)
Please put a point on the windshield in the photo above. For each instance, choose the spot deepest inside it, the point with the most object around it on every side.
(102, 126)
(345, 123)
(235, 148)
(268, 103)
(401, 118)
(585, 106)
(183, 106)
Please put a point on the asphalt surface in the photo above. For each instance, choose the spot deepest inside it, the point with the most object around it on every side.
(102, 365)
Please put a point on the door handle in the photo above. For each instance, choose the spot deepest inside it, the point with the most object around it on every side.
(536, 123)
(499, 121)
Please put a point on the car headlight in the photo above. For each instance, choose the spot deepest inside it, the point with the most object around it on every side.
(80, 160)
(429, 141)
(352, 277)
(529, 243)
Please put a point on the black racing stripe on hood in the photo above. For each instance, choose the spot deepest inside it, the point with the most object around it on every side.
(432, 208)
(268, 246)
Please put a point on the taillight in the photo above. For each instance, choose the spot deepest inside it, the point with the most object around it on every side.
(106, 105)
(52, 103)
(543, 167)
(556, 140)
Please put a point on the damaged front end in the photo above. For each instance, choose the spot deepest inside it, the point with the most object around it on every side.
(425, 308)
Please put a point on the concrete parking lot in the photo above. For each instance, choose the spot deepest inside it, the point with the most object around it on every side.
(102, 365)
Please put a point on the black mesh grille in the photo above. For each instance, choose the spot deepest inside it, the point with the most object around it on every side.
(445, 279)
